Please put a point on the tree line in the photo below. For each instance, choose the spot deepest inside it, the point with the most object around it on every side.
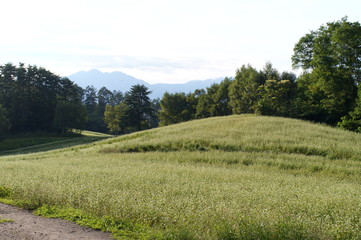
(328, 90)
(35, 99)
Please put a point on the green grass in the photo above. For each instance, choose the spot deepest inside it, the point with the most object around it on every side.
(236, 177)
(95, 134)
(31, 143)
(4, 220)
(26, 141)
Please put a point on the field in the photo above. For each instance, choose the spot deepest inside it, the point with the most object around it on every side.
(235, 177)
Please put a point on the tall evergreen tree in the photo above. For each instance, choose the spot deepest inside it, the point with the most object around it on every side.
(140, 107)
(91, 105)
(116, 98)
(104, 97)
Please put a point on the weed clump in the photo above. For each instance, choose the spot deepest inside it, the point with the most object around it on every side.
(5, 192)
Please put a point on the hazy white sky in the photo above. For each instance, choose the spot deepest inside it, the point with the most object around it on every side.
(161, 40)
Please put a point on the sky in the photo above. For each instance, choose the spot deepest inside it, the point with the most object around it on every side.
(162, 41)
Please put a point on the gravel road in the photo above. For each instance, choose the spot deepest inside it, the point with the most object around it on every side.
(27, 226)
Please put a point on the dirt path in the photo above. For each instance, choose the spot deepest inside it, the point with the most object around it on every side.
(27, 226)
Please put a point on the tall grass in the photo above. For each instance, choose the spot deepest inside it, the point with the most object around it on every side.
(237, 177)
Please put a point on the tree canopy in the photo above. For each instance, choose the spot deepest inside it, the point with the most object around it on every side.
(4, 122)
(331, 57)
(140, 107)
(136, 112)
(31, 94)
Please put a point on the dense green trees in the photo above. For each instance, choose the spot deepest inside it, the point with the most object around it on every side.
(326, 90)
(251, 91)
(69, 116)
(95, 102)
(243, 90)
(331, 57)
(136, 112)
(33, 98)
(174, 109)
(276, 98)
(31, 95)
(4, 122)
(352, 121)
(215, 101)
(139, 107)
(116, 119)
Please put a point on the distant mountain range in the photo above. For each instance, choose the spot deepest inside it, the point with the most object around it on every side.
(123, 82)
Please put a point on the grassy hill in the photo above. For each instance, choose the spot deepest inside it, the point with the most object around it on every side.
(235, 177)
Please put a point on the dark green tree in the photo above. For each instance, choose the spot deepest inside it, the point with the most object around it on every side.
(154, 118)
(276, 98)
(69, 116)
(243, 91)
(7, 85)
(222, 100)
(192, 100)
(90, 102)
(104, 97)
(140, 107)
(215, 102)
(116, 98)
(4, 122)
(42, 93)
(332, 57)
(173, 109)
(116, 119)
(69, 91)
(206, 103)
(30, 95)
(352, 121)
(288, 76)
(269, 73)
(90, 99)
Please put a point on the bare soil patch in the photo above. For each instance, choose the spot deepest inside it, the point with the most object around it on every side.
(26, 226)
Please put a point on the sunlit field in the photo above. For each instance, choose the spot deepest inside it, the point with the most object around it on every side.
(235, 177)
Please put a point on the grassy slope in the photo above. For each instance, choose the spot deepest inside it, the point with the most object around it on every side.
(41, 142)
(236, 177)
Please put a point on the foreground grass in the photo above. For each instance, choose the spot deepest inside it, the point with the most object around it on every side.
(237, 177)
(4, 220)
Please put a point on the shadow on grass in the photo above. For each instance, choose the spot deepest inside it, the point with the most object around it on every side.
(27, 145)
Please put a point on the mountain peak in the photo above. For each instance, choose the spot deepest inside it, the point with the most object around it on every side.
(122, 82)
